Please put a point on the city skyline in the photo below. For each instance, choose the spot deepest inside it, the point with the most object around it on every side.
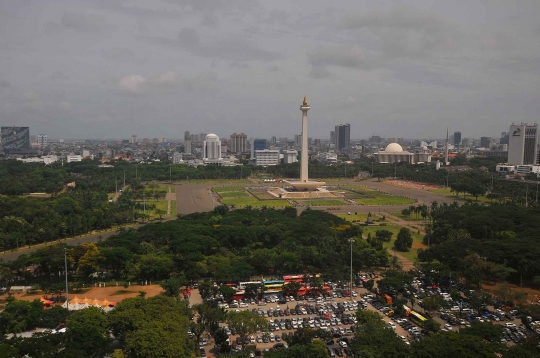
(109, 68)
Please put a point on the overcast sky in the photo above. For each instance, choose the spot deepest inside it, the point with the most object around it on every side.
(112, 68)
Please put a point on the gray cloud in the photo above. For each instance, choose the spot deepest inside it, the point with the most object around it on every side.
(85, 22)
(163, 67)
(5, 84)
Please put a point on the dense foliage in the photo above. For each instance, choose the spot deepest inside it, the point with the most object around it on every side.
(485, 243)
(222, 245)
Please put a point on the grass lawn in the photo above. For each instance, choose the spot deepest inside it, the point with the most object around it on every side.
(159, 188)
(160, 204)
(254, 202)
(173, 208)
(228, 188)
(394, 229)
(322, 202)
(449, 194)
(173, 189)
(353, 217)
(406, 217)
(383, 199)
(234, 194)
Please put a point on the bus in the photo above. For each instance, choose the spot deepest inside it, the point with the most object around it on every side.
(294, 278)
(242, 285)
(417, 318)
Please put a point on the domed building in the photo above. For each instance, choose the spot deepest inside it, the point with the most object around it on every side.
(394, 153)
(212, 149)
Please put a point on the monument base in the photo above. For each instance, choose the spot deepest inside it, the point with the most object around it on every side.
(310, 185)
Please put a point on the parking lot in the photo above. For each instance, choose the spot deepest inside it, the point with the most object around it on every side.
(332, 314)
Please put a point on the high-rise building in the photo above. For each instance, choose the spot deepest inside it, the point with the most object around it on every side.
(485, 142)
(273, 140)
(42, 140)
(343, 137)
(15, 138)
(211, 147)
(258, 144)
(332, 137)
(523, 144)
(505, 138)
(187, 142)
(133, 139)
(238, 143)
(298, 140)
(457, 138)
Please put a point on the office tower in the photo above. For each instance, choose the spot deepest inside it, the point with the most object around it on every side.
(187, 142)
(238, 143)
(133, 139)
(273, 140)
(332, 137)
(298, 140)
(505, 138)
(42, 140)
(343, 136)
(457, 138)
(211, 147)
(15, 138)
(523, 144)
(485, 142)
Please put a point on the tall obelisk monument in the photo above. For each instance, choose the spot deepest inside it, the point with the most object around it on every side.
(304, 157)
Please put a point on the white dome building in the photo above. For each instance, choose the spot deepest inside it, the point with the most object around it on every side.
(211, 148)
(394, 153)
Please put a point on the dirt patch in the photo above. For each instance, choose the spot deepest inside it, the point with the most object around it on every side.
(418, 245)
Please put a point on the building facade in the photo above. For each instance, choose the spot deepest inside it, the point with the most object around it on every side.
(211, 147)
(15, 138)
(238, 143)
(267, 157)
(187, 143)
(523, 144)
(343, 137)
(457, 138)
(42, 140)
(485, 142)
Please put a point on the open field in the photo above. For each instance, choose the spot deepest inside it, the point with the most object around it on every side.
(227, 189)
(322, 202)
(158, 188)
(394, 229)
(160, 204)
(254, 202)
(234, 194)
(383, 199)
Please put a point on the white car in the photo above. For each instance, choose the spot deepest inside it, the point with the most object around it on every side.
(259, 339)
(243, 305)
(510, 325)
(343, 344)
(448, 327)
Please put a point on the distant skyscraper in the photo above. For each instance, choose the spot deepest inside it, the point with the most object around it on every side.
(273, 140)
(485, 142)
(298, 140)
(133, 139)
(523, 144)
(42, 140)
(238, 143)
(211, 147)
(343, 136)
(332, 137)
(187, 142)
(457, 138)
(15, 138)
(258, 144)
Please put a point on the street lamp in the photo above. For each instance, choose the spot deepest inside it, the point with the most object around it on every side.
(67, 294)
(351, 240)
